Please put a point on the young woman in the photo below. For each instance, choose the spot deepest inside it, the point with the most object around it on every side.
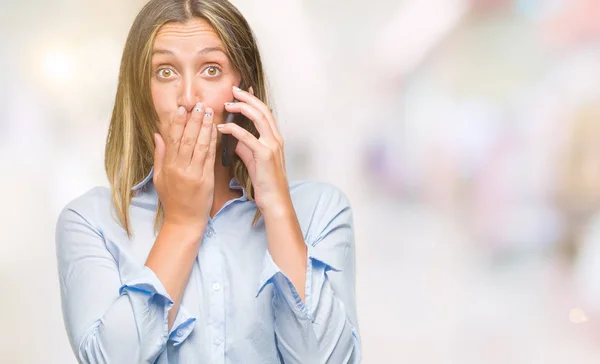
(185, 259)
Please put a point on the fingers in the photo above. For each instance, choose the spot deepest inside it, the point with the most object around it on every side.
(174, 136)
(254, 114)
(203, 143)
(209, 163)
(244, 153)
(159, 153)
(250, 99)
(274, 128)
(190, 137)
(243, 136)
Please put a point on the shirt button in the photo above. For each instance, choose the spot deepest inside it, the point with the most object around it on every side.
(179, 333)
(210, 232)
(216, 286)
(217, 341)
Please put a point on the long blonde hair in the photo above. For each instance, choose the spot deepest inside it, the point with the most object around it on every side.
(130, 144)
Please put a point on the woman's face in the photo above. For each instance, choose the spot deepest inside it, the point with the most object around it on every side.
(189, 65)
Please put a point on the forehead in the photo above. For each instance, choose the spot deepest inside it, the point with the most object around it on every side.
(191, 36)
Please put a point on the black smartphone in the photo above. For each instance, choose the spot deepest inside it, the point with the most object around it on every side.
(229, 142)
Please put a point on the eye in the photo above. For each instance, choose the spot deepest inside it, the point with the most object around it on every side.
(212, 71)
(165, 73)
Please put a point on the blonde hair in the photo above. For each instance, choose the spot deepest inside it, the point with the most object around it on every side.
(130, 144)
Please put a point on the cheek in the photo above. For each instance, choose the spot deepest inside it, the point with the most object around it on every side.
(163, 103)
(216, 100)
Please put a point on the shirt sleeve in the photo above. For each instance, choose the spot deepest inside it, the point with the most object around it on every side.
(109, 321)
(324, 328)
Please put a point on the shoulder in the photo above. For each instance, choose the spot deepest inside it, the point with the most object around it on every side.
(326, 219)
(88, 207)
(318, 194)
(320, 206)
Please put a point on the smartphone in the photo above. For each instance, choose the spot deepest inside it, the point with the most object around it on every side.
(229, 142)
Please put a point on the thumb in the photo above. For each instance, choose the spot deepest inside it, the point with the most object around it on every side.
(244, 153)
(159, 153)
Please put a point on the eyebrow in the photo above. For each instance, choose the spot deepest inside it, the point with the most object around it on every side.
(200, 52)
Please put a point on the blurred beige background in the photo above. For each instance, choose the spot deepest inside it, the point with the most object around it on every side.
(466, 134)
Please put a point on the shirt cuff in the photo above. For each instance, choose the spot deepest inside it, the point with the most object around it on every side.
(147, 283)
(315, 276)
(182, 326)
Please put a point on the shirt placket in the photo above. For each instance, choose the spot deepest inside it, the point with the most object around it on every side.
(216, 321)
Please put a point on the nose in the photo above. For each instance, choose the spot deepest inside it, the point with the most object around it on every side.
(190, 93)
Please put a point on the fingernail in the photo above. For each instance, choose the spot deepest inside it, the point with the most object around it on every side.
(181, 111)
(228, 103)
(235, 88)
(251, 90)
(208, 113)
(220, 126)
(198, 107)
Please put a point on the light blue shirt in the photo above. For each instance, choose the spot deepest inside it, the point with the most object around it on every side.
(238, 306)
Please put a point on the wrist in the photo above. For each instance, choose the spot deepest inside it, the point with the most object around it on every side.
(278, 210)
(184, 231)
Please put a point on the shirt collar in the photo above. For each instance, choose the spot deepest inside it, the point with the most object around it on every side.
(145, 181)
(233, 184)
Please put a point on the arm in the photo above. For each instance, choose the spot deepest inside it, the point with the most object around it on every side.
(286, 245)
(173, 263)
(314, 303)
(109, 321)
(322, 326)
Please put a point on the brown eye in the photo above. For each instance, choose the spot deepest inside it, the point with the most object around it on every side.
(212, 71)
(165, 73)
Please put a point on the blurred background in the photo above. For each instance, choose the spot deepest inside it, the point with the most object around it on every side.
(465, 133)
